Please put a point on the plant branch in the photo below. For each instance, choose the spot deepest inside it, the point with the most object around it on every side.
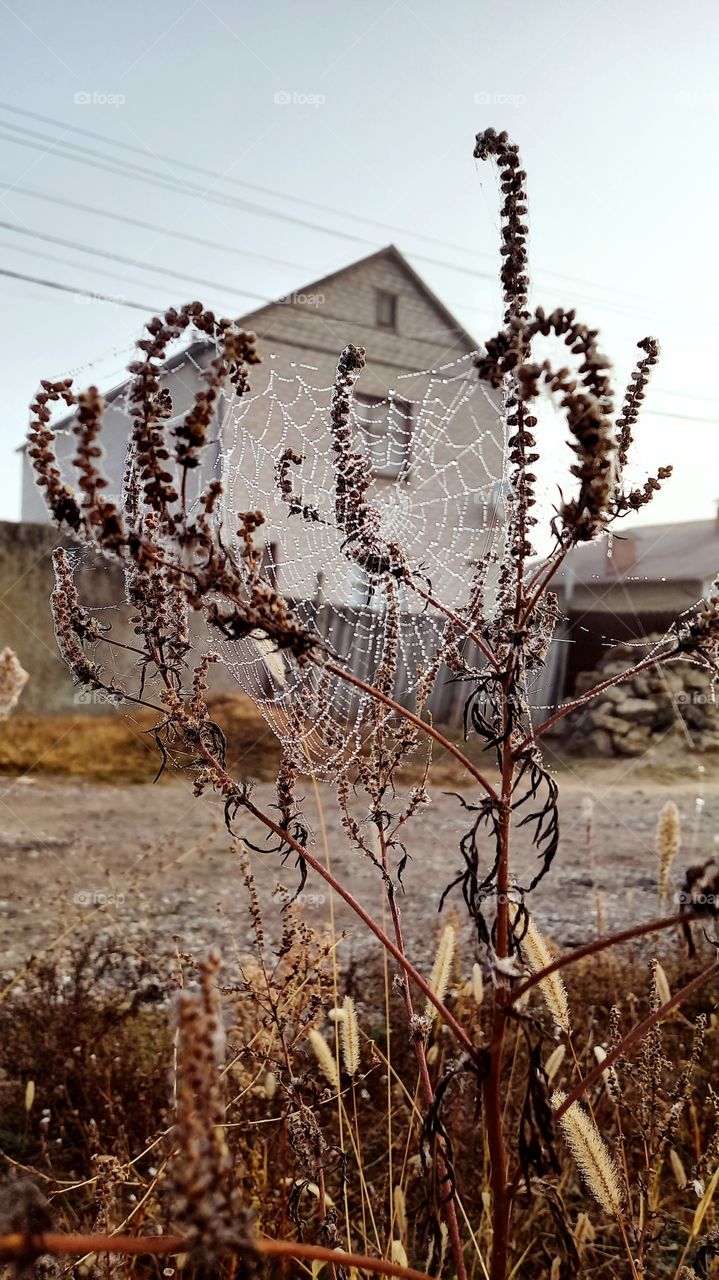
(635, 1036)
(422, 725)
(366, 919)
(644, 665)
(600, 944)
(18, 1245)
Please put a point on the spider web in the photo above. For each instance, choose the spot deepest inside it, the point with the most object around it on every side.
(438, 465)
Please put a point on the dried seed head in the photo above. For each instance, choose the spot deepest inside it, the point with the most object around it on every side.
(400, 1211)
(667, 843)
(591, 1154)
(678, 1170)
(554, 1061)
(609, 1075)
(325, 1059)
(537, 955)
(13, 679)
(442, 967)
(477, 984)
(661, 983)
(349, 1037)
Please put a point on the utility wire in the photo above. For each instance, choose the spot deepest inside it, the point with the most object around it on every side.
(67, 288)
(146, 307)
(98, 160)
(282, 195)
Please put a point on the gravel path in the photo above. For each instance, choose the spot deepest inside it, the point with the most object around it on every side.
(156, 861)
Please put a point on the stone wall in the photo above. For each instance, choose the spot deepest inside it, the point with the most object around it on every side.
(656, 705)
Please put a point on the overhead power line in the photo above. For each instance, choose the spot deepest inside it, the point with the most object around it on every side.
(97, 296)
(130, 262)
(98, 160)
(320, 206)
(68, 288)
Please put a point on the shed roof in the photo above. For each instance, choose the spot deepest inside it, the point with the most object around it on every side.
(680, 552)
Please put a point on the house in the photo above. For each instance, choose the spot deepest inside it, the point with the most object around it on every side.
(624, 587)
(432, 434)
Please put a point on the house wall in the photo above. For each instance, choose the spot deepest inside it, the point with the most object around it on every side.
(435, 507)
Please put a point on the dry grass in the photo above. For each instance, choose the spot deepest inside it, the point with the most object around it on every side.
(100, 1061)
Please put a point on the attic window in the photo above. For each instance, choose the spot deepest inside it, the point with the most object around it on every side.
(386, 309)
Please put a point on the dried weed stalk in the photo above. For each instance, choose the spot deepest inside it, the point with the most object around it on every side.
(181, 559)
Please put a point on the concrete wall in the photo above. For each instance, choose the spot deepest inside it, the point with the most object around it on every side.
(26, 580)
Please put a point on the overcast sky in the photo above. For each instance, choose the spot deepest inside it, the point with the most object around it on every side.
(352, 116)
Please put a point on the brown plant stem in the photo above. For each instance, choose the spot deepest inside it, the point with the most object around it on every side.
(600, 944)
(458, 621)
(422, 725)
(501, 1190)
(587, 697)
(18, 1245)
(448, 1209)
(635, 1036)
(460, 1035)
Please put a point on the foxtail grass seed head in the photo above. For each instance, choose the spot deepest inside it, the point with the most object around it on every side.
(678, 1170)
(538, 956)
(477, 984)
(349, 1037)
(591, 1154)
(398, 1254)
(324, 1056)
(609, 1075)
(13, 679)
(661, 983)
(442, 967)
(554, 1061)
(400, 1211)
(668, 842)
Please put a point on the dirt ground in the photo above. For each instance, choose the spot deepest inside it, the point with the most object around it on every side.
(155, 864)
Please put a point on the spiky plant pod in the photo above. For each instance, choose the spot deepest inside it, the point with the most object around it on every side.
(442, 967)
(325, 1060)
(537, 956)
(667, 843)
(591, 1154)
(349, 1037)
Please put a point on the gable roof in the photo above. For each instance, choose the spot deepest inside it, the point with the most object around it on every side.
(390, 253)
